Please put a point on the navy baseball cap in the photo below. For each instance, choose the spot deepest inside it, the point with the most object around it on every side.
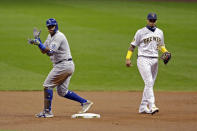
(151, 16)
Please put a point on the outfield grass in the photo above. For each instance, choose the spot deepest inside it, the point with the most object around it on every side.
(99, 33)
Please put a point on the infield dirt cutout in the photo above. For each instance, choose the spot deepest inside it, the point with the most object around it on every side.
(118, 110)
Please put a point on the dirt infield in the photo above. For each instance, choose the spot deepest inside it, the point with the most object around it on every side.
(178, 111)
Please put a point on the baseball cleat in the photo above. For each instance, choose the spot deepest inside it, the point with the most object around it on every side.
(86, 106)
(154, 110)
(144, 110)
(45, 114)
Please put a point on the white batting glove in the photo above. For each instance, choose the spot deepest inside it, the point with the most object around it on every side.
(36, 33)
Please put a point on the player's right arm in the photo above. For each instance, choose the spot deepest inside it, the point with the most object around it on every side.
(45, 50)
(130, 51)
(129, 55)
(41, 46)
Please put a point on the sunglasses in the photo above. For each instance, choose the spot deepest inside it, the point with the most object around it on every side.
(152, 20)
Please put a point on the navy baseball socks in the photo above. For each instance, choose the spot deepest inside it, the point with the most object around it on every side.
(73, 96)
(86, 104)
(48, 96)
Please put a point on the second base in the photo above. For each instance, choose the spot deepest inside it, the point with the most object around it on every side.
(86, 115)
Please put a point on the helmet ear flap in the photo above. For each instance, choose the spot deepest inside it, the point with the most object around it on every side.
(56, 28)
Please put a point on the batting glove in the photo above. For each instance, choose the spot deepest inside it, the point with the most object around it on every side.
(36, 33)
(34, 41)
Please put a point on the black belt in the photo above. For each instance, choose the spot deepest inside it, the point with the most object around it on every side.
(69, 59)
(147, 56)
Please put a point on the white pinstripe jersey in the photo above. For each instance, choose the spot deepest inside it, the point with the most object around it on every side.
(148, 41)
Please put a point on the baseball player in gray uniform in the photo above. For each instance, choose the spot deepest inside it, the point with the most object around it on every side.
(149, 40)
(57, 48)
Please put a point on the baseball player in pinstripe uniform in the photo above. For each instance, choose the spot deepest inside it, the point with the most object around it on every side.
(57, 48)
(149, 40)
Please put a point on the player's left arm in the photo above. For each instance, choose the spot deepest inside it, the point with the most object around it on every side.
(163, 49)
(166, 56)
(161, 45)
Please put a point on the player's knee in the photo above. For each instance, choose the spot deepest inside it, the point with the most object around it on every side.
(149, 83)
(47, 88)
(62, 93)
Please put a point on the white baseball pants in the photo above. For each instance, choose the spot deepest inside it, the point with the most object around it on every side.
(148, 68)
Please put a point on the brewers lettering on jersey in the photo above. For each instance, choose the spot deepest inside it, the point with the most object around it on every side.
(57, 48)
(149, 40)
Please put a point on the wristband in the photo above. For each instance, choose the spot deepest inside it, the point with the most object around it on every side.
(129, 54)
(42, 46)
(50, 52)
(163, 49)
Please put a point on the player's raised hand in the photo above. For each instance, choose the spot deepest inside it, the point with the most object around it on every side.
(128, 63)
(36, 33)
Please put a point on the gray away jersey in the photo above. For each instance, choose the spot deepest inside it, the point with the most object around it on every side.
(148, 42)
(59, 44)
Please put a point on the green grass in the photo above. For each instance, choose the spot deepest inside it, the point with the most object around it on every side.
(99, 33)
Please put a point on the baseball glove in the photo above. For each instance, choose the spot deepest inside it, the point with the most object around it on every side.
(166, 57)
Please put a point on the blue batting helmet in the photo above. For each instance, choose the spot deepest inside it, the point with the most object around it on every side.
(52, 22)
(151, 16)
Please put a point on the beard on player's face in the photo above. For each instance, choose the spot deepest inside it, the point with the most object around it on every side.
(51, 29)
